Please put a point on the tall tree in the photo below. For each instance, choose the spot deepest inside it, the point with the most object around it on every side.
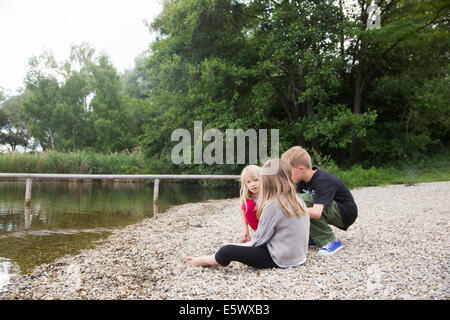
(402, 21)
(392, 67)
(259, 64)
(13, 124)
(43, 96)
(78, 104)
(114, 124)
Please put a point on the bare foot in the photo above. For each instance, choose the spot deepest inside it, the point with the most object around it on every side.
(192, 261)
(201, 261)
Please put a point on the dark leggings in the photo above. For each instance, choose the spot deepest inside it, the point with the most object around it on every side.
(256, 257)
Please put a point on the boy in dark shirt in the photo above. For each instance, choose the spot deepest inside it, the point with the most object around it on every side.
(328, 199)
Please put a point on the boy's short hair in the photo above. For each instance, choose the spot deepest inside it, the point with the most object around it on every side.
(297, 156)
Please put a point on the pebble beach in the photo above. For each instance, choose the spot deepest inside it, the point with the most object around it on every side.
(398, 248)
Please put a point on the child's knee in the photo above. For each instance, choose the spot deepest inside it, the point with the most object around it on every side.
(223, 255)
(308, 198)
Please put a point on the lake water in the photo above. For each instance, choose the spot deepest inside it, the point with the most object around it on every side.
(65, 217)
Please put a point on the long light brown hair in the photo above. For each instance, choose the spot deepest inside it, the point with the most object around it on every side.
(279, 185)
(253, 172)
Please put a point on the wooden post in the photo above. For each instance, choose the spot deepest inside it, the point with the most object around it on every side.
(155, 198)
(27, 212)
(156, 191)
(28, 191)
(27, 208)
(155, 210)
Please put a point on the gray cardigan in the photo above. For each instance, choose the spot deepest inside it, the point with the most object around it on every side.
(286, 237)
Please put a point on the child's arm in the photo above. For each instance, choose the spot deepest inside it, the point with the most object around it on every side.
(324, 197)
(315, 212)
(245, 236)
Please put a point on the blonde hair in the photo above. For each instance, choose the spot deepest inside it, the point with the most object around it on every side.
(297, 156)
(276, 185)
(253, 172)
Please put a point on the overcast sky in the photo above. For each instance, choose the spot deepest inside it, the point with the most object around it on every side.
(27, 27)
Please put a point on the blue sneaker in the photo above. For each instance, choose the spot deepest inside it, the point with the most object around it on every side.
(330, 248)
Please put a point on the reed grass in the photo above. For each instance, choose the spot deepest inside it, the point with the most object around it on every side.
(436, 168)
(81, 162)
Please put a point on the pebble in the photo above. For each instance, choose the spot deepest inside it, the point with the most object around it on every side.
(398, 248)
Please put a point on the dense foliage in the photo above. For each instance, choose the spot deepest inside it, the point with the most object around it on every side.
(308, 68)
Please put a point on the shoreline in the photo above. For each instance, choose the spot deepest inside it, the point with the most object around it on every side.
(396, 249)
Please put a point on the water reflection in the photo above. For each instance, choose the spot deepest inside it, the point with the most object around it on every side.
(7, 268)
(57, 205)
(27, 211)
(65, 217)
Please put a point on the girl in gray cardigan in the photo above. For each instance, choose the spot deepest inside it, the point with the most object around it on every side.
(281, 239)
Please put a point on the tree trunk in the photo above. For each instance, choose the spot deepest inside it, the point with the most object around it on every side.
(341, 36)
(360, 77)
(51, 140)
(285, 107)
(294, 98)
(309, 109)
(360, 80)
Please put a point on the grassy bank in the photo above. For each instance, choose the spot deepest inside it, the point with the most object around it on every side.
(436, 168)
(72, 162)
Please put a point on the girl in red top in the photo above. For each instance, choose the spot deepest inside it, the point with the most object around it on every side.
(250, 184)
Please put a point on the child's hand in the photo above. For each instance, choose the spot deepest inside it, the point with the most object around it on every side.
(245, 236)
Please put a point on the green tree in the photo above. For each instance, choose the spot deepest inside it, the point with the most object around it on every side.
(262, 64)
(43, 96)
(55, 102)
(13, 124)
(195, 69)
(134, 82)
(392, 71)
(113, 123)
(78, 104)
